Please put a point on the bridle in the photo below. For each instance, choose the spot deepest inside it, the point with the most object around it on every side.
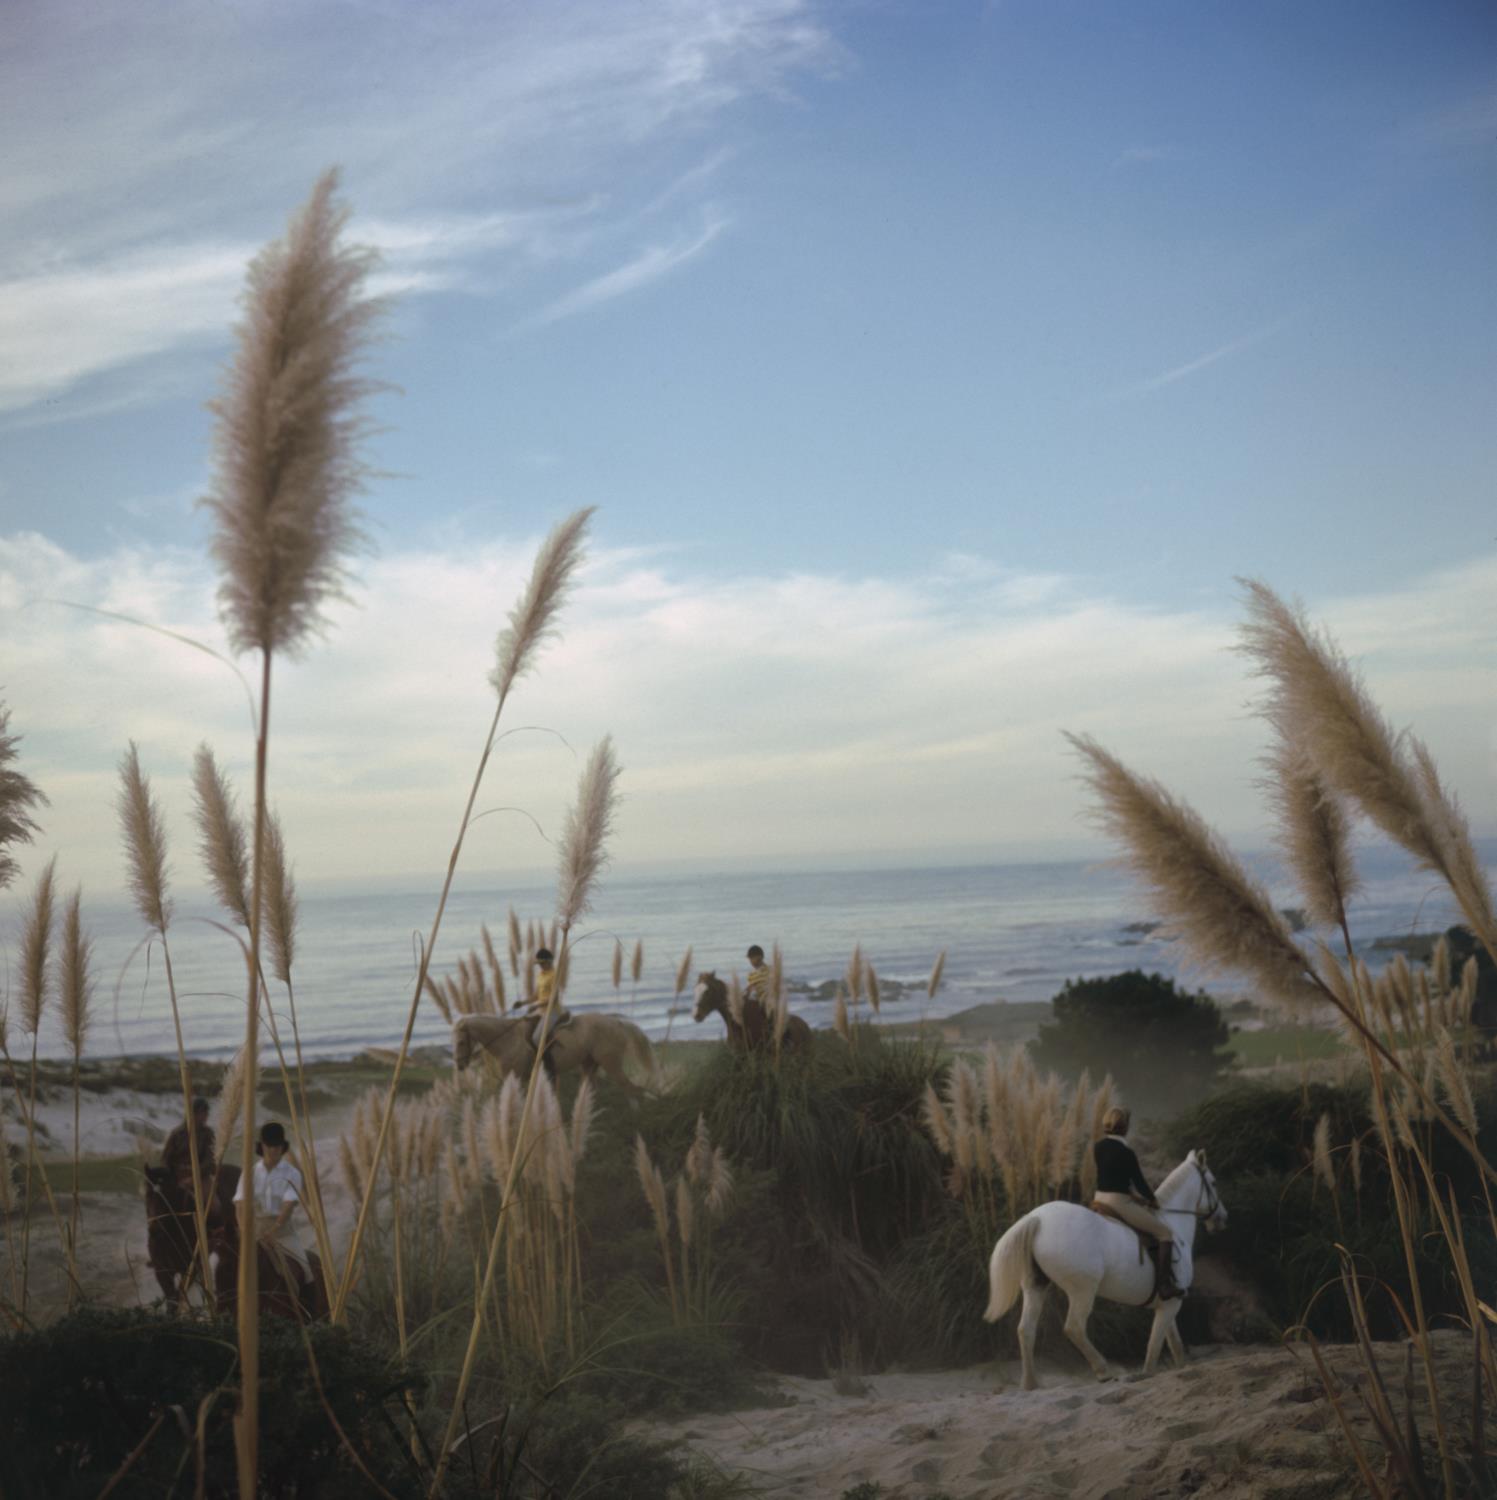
(1197, 1212)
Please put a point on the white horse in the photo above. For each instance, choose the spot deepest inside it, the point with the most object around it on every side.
(1090, 1256)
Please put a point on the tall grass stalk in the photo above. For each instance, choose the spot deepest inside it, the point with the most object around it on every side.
(531, 622)
(36, 942)
(583, 852)
(145, 857)
(75, 995)
(286, 472)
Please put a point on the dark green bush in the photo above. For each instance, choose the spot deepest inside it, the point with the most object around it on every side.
(1163, 1046)
(78, 1396)
(1284, 1226)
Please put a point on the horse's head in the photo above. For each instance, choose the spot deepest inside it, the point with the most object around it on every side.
(709, 995)
(1209, 1205)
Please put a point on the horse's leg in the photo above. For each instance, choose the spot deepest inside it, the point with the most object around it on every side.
(1078, 1310)
(1173, 1339)
(614, 1067)
(1029, 1320)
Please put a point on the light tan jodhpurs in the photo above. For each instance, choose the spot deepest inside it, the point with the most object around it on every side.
(1133, 1213)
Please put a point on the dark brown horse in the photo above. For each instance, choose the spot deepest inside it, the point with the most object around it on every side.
(283, 1289)
(171, 1229)
(755, 1032)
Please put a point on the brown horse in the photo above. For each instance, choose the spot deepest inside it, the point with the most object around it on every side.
(587, 1042)
(283, 1290)
(755, 1032)
(171, 1228)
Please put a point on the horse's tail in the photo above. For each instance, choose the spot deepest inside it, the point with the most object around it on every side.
(637, 1046)
(1013, 1256)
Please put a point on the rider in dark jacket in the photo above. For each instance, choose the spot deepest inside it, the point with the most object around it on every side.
(1123, 1191)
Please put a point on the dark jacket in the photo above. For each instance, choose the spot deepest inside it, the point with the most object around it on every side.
(1118, 1170)
(176, 1154)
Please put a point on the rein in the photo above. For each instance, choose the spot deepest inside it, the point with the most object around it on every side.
(1196, 1212)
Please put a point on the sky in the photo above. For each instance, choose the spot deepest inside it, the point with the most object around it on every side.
(935, 368)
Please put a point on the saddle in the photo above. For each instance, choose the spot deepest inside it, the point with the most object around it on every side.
(1162, 1256)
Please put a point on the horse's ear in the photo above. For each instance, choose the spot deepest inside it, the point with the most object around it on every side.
(1200, 1157)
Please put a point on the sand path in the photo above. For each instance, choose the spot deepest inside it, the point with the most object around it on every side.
(1248, 1422)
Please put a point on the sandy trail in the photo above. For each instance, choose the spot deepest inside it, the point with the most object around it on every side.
(1248, 1422)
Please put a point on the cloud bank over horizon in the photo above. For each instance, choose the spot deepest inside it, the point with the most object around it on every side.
(773, 716)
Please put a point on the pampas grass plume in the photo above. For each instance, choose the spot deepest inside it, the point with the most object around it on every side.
(839, 1017)
(1321, 1152)
(586, 832)
(637, 962)
(937, 969)
(1314, 834)
(618, 964)
(534, 617)
(75, 983)
(289, 420)
(683, 972)
(18, 796)
(36, 949)
(1199, 887)
(229, 1108)
(221, 839)
(145, 843)
(278, 900)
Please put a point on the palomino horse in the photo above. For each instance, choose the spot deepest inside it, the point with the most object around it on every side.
(755, 1032)
(171, 1228)
(1089, 1256)
(283, 1290)
(587, 1041)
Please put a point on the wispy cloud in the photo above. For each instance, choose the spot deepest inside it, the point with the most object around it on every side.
(649, 266)
(869, 692)
(1194, 366)
(130, 209)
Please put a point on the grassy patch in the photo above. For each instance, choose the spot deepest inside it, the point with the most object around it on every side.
(1273, 1044)
(98, 1174)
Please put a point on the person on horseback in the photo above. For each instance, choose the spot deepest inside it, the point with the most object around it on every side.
(545, 988)
(756, 986)
(278, 1191)
(1122, 1191)
(176, 1154)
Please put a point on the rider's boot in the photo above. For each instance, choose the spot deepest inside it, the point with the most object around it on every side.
(1165, 1285)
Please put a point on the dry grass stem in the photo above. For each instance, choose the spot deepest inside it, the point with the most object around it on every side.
(618, 964)
(286, 466)
(937, 969)
(637, 962)
(683, 972)
(534, 617)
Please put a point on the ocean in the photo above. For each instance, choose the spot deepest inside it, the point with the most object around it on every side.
(1011, 932)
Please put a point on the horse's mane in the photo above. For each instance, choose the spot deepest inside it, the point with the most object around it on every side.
(1175, 1177)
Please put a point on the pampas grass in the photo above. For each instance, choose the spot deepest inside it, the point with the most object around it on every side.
(1319, 703)
(35, 981)
(584, 836)
(220, 836)
(533, 619)
(19, 796)
(530, 622)
(279, 907)
(1200, 889)
(1314, 834)
(75, 998)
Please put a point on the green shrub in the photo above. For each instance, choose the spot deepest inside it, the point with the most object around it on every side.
(78, 1396)
(1162, 1045)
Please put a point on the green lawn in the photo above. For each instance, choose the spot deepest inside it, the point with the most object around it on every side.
(100, 1174)
(1261, 1049)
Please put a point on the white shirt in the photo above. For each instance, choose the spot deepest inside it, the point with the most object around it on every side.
(274, 1188)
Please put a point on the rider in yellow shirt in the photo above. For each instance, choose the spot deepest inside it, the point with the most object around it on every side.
(541, 996)
(756, 986)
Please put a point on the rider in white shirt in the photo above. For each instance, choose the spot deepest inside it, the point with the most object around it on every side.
(278, 1191)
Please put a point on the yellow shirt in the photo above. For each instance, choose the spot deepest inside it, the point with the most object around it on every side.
(756, 986)
(545, 987)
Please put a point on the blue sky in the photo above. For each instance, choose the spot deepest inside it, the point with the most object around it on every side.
(936, 367)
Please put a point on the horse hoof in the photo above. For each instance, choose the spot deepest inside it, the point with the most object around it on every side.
(1104, 1376)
